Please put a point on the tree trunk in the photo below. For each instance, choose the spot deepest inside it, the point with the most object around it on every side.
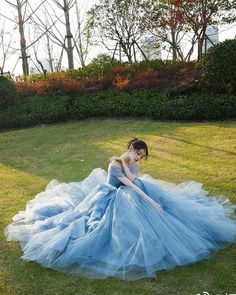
(140, 49)
(69, 36)
(199, 48)
(127, 49)
(173, 47)
(50, 59)
(22, 40)
(200, 42)
(79, 48)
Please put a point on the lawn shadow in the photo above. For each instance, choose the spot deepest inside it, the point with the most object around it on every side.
(69, 152)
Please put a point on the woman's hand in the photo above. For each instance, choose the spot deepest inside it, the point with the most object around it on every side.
(156, 205)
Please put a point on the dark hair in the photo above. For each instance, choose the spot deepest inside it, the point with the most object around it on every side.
(138, 145)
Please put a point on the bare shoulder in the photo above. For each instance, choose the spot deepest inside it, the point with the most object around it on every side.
(116, 163)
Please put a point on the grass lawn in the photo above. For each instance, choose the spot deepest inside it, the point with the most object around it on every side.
(30, 158)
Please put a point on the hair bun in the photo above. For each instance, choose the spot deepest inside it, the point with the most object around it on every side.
(138, 144)
(131, 141)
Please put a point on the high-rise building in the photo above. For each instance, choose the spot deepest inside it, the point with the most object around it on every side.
(151, 48)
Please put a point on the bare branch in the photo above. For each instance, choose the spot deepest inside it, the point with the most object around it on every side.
(9, 18)
(10, 3)
(33, 11)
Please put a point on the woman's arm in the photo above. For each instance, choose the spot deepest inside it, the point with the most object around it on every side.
(128, 173)
(141, 193)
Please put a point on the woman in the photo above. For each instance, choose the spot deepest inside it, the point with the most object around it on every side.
(121, 225)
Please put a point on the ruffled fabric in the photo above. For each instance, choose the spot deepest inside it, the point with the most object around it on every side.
(98, 230)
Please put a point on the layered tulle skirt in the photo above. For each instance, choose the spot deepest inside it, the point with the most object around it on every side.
(96, 230)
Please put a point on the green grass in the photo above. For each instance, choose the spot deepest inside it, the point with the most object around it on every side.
(30, 158)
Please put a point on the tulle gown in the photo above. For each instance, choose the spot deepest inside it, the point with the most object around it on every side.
(100, 228)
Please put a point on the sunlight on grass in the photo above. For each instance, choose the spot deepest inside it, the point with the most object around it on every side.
(17, 187)
(200, 153)
(30, 158)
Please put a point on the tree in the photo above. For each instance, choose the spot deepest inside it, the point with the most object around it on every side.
(21, 19)
(103, 58)
(19, 5)
(65, 34)
(46, 26)
(52, 26)
(66, 5)
(6, 49)
(201, 14)
(120, 21)
(165, 20)
(171, 21)
(83, 35)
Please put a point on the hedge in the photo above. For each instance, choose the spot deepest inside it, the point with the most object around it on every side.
(138, 104)
(219, 73)
(111, 69)
(8, 93)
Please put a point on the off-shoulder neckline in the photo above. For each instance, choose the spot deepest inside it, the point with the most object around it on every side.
(135, 164)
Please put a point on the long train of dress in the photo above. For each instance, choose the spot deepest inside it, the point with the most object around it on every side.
(97, 229)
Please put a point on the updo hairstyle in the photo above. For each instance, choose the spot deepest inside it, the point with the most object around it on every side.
(138, 145)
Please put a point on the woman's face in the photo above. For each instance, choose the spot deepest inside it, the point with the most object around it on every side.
(136, 155)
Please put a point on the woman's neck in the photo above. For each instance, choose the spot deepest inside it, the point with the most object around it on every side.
(126, 159)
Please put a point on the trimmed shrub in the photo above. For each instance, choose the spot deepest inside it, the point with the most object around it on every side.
(92, 70)
(25, 89)
(220, 67)
(149, 104)
(8, 93)
(111, 77)
(35, 110)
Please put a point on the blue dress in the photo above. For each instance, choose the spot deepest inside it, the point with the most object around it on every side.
(100, 228)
